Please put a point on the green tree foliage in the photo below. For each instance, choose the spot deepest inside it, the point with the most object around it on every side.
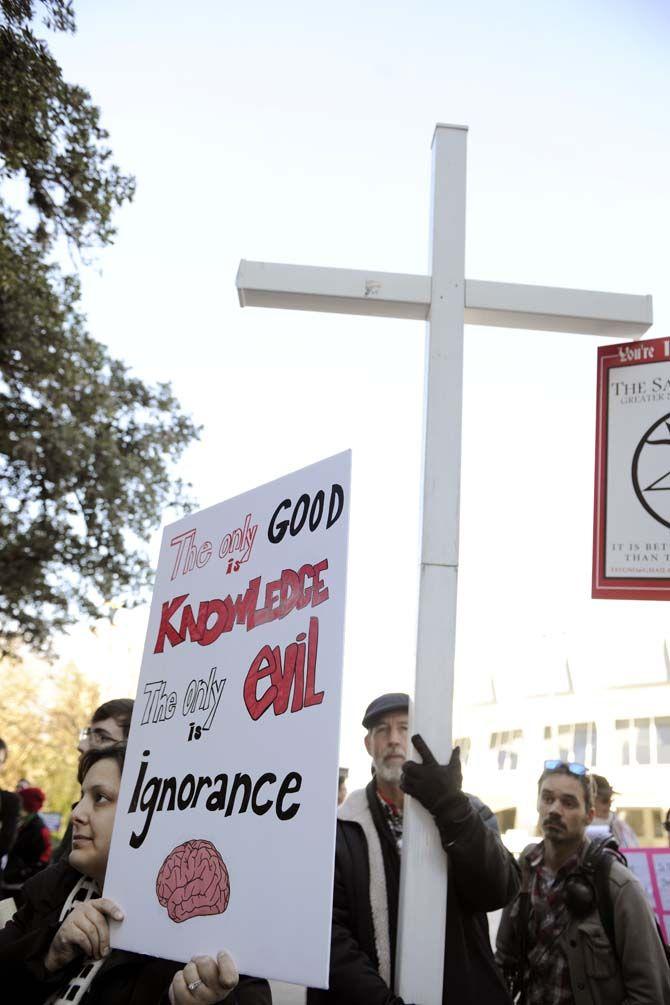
(51, 137)
(40, 724)
(85, 449)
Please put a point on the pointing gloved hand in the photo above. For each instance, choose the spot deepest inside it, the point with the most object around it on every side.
(431, 783)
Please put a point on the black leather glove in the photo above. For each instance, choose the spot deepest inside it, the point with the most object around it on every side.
(432, 783)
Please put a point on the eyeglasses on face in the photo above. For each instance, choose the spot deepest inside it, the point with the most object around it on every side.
(98, 737)
(573, 767)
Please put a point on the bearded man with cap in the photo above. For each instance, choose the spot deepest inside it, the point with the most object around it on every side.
(482, 875)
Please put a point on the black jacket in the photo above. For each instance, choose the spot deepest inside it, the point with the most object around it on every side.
(482, 876)
(124, 979)
(31, 851)
(65, 847)
(9, 819)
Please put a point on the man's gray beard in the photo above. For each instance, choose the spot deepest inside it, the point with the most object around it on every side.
(389, 773)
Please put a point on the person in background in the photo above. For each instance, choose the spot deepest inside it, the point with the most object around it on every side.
(32, 849)
(56, 948)
(578, 934)
(666, 825)
(606, 817)
(482, 875)
(10, 807)
(110, 723)
(342, 786)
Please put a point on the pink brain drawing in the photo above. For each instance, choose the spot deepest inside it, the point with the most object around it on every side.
(193, 881)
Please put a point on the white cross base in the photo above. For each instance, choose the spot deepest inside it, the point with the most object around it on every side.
(446, 300)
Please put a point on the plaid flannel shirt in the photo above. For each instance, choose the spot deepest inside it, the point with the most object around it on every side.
(393, 818)
(548, 973)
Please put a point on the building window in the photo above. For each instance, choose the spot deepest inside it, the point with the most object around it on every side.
(663, 740)
(658, 816)
(577, 741)
(464, 743)
(642, 749)
(646, 821)
(506, 819)
(565, 744)
(635, 818)
(622, 740)
(643, 741)
(505, 747)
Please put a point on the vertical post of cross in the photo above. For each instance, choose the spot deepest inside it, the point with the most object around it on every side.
(423, 884)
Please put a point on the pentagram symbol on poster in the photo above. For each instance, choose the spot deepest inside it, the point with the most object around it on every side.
(650, 485)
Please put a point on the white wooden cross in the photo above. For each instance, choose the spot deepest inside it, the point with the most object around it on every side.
(446, 300)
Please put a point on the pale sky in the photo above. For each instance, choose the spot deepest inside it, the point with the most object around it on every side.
(301, 133)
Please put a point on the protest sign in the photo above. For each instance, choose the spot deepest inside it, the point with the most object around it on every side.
(652, 868)
(225, 827)
(631, 546)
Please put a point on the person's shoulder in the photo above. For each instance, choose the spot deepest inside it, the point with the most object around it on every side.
(9, 800)
(621, 875)
(54, 881)
(355, 809)
(354, 824)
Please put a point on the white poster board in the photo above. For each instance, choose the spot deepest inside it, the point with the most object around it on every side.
(225, 828)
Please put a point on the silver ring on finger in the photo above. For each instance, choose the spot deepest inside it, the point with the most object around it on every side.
(194, 985)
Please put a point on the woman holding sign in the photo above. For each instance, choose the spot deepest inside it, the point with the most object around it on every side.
(56, 948)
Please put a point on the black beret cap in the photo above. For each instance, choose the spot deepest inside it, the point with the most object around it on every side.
(395, 702)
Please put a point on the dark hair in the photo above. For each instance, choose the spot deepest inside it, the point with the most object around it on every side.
(119, 709)
(117, 752)
(3, 745)
(586, 782)
(604, 790)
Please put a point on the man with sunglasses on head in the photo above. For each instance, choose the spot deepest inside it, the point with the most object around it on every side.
(581, 931)
(110, 724)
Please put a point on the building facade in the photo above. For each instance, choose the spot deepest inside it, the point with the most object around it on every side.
(621, 731)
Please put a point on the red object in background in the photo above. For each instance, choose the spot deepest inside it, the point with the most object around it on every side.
(32, 798)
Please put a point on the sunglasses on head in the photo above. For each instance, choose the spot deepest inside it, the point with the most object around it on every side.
(573, 767)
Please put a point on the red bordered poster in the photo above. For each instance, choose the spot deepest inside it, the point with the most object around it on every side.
(631, 538)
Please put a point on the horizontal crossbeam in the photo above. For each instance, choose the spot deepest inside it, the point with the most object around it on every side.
(396, 295)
